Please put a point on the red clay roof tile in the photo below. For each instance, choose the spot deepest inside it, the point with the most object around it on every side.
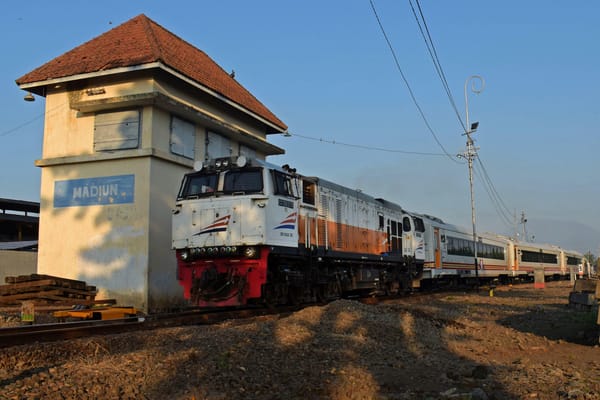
(141, 41)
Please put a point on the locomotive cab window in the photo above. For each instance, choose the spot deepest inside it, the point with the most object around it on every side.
(243, 181)
(282, 184)
(419, 225)
(406, 224)
(199, 186)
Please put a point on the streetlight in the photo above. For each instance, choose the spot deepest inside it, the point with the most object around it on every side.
(469, 154)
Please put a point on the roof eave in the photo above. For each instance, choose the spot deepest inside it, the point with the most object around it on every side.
(39, 87)
(273, 126)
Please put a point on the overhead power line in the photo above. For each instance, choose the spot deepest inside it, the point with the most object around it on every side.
(505, 219)
(503, 210)
(410, 91)
(434, 57)
(24, 124)
(37, 117)
(360, 146)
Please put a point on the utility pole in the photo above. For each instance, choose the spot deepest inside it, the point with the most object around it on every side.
(470, 154)
(524, 221)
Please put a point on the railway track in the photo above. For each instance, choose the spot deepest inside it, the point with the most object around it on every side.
(29, 334)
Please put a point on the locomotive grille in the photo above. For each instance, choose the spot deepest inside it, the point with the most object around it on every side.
(324, 214)
(338, 224)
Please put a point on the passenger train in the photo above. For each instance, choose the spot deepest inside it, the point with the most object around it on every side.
(248, 232)
(450, 256)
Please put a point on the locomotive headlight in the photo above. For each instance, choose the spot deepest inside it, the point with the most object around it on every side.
(250, 252)
(185, 255)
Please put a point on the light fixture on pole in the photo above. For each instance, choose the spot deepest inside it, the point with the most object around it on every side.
(470, 154)
(29, 97)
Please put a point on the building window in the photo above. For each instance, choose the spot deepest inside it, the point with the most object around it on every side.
(118, 130)
(183, 137)
(217, 146)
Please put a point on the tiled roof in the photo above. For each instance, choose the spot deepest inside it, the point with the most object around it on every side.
(141, 41)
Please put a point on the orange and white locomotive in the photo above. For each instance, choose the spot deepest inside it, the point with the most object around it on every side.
(246, 231)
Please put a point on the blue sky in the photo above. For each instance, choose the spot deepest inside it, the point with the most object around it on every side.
(325, 69)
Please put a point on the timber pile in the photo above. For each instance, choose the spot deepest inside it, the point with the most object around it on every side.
(45, 289)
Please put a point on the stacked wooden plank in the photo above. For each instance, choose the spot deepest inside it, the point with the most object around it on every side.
(45, 289)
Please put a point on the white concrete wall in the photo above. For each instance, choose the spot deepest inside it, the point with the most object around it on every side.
(104, 245)
(163, 289)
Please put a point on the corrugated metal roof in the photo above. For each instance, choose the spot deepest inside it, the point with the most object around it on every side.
(24, 245)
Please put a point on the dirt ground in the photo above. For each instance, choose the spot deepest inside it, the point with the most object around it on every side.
(522, 343)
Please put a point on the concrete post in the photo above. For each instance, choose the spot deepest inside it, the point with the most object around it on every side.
(538, 278)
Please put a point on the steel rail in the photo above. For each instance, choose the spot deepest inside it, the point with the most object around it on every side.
(28, 334)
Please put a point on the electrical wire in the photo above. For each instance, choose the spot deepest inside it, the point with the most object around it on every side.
(497, 202)
(16, 128)
(488, 185)
(434, 57)
(34, 119)
(359, 146)
(493, 188)
(412, 95)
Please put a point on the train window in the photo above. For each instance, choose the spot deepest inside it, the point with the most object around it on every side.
(406, 224)
(460, 247)
(308, 192)
(490, 251)
(199, 185)
(282, 184)
(243, 181)
(540, 257)
(380, 221)
(573, 260)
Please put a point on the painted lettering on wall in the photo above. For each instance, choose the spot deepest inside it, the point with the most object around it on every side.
(101, 190)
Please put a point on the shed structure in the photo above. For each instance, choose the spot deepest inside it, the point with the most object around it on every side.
(127, 114)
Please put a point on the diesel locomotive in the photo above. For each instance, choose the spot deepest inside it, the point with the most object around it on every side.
(248, 232)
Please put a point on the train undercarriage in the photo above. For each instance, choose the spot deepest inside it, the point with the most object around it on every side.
(278, 278)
